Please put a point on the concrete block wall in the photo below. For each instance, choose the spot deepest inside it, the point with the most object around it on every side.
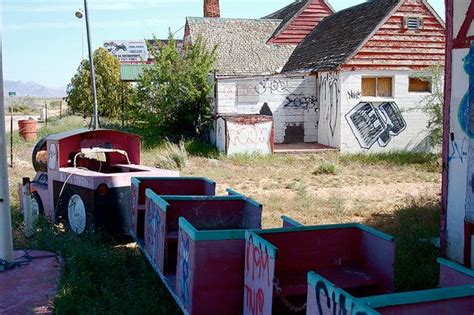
(292, 100)
(396, 123)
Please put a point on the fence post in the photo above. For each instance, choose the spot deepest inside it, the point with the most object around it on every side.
(28, 215)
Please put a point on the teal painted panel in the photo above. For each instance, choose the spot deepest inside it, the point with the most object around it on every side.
(419, 296)
(461, 269)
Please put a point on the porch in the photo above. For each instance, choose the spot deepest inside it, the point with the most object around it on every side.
(302, 148)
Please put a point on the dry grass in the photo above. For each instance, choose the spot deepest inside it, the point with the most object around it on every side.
(287, 185)
(398, 198)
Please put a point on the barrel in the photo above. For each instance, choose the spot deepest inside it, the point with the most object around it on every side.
(27, 129)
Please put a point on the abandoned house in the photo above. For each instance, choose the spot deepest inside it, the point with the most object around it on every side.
(250, 52)
(364, 61)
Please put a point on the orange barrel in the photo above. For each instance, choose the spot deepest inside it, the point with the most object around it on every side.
(27, 129)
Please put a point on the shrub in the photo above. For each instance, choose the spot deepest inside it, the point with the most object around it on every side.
(172, 156)
(326, 168)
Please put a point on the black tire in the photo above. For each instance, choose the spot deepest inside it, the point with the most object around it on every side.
(41, 144)
(75, 224)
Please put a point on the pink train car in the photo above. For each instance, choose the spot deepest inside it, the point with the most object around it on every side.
(209, 212)
(170, 186)
(357, 258)
(83, 178)
(211, 263)
(456, 296)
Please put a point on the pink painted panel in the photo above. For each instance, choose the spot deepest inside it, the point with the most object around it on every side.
(381, 266)
(450, 277)
(259, 272)
(155, 234)
(214, 278)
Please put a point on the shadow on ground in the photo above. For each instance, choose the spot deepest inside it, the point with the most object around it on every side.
(414, 227)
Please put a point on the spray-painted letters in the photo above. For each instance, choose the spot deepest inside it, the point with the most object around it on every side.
(259, 270)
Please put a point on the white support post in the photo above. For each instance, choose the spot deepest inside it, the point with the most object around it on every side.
(27, 213)
(6, 237)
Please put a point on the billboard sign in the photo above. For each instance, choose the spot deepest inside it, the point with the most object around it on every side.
(128, 51)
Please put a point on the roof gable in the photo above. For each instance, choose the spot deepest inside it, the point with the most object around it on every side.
(242, 47)
(339, 36)
(298, 20)
(394, 47)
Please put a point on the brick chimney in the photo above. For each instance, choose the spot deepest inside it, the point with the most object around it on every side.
(212, 9)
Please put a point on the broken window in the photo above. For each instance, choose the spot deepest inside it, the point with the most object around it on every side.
(377, 87)
(418, 85)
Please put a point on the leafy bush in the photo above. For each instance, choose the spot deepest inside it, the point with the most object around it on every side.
(173, 156)
(112, 93)
(327, 168)
(172, 95)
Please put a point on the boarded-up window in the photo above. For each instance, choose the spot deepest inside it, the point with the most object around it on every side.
(384, 87)
(369, 87)
(377, 87)
(419, 85)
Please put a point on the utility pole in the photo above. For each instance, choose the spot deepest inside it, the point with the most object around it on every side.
(95, 123)
(6, 237)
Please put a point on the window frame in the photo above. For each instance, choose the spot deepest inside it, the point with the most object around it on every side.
(430, 91)
(377, 86)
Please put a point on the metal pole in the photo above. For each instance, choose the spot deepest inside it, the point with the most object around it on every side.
(60, 109)
(6, 236)
(95, 119)
(11, 136)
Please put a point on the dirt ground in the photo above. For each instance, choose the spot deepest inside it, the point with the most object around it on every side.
(286, 185)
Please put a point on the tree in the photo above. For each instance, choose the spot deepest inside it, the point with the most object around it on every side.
(111, 91)
(433, 103)
(173, 95)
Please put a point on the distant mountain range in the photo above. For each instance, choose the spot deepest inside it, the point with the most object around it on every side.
(32, 89)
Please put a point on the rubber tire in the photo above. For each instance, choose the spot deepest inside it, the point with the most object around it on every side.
(64, 204)
(37, 166)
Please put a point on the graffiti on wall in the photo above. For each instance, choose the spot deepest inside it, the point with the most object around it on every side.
(327, 299)
(458, 150)
(155, 233)
(134, 210)
(354, 95)
(376, 123)
(184, 266)
(259, 269)
(301, 101)
(329, 97)
(465, 109)
(271, 86)
(250, 134)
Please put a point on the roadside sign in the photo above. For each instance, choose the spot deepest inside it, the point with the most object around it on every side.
(128, 51)
(11, 93)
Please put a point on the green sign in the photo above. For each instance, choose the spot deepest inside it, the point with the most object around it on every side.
(11, 93)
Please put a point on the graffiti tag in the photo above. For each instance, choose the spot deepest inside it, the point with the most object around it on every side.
(301, 101)
(184, 255)
(354, 95)
(271, 86)
(259, 269)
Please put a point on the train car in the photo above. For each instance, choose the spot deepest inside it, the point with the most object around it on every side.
(455, 295)
(357, 258)
(83, 179)
(169, 186)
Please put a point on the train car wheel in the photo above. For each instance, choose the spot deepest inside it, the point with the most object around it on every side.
(77, 214)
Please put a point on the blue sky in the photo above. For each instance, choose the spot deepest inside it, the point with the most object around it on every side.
(43, 40)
